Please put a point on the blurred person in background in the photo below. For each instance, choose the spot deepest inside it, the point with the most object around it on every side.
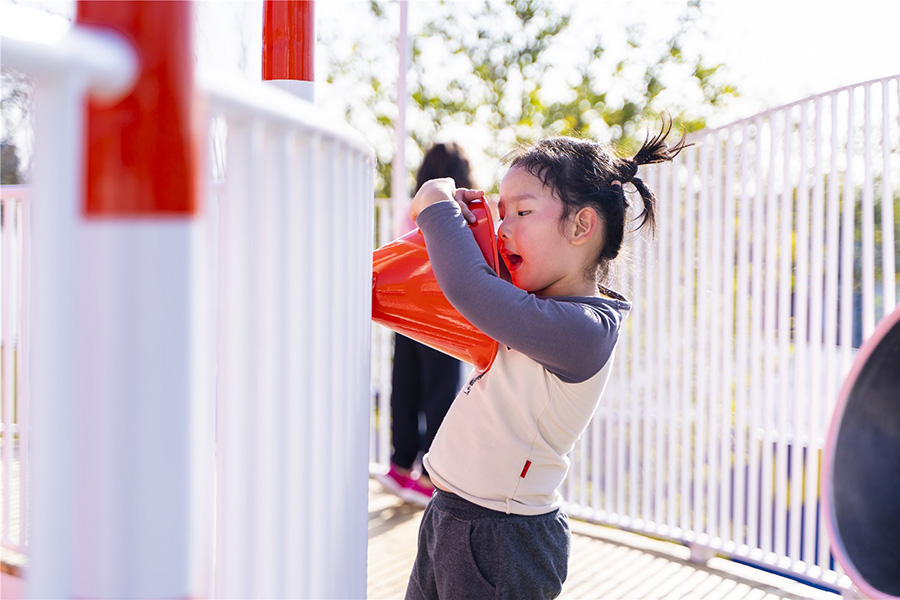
(424, 381)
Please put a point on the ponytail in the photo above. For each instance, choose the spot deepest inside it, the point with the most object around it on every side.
(653, 151)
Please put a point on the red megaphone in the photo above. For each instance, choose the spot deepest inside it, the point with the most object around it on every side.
(407, 299)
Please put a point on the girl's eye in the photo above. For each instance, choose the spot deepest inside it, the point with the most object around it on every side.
(522, 213)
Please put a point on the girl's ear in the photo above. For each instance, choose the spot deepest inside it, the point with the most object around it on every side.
(584, 226)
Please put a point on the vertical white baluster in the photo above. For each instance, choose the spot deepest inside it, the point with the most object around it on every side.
(319, 402)
(632, 388)
(726, 390)
(252, 408)
(742, 316)
(800, 398)
(714, 438)
(889, 266)
(848, 234)
(832, 254)
(332, 365)
(660, 370)
(815, 374)
(703, 322)
(687, 347)
(385, 338)
(341, 278)
(357, 425)
(58, 131)
(673, 401)
(364, 207)
(742, 343)
(770, 349)
(299, 352)
(24, 389)
(234, 513)
(266, 400)
(867, 218)
(785, 224)
(646, 313)
(758, 389)
(7, 338)
(621, 423)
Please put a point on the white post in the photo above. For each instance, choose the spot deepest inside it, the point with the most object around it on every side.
(120, 479)
(399, 187)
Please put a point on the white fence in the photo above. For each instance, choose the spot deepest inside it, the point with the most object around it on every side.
(14, 415)
(295, 222)
(276, 341)
(775, 256)
(743, 329)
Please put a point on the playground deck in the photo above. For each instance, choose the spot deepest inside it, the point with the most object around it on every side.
(605, 563)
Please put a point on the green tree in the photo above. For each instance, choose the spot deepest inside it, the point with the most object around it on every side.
(15, 94)
(9, 164)
(496, 63)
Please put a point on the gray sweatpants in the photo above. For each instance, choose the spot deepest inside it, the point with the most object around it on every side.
(467, 551)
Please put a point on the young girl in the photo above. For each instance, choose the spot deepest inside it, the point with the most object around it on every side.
(494, 528)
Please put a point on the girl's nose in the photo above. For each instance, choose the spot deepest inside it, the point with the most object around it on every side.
(502, 231)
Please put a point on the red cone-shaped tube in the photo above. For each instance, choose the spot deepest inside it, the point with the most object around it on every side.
(407, 299)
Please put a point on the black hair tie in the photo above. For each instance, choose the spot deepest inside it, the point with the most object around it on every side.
(631, 169)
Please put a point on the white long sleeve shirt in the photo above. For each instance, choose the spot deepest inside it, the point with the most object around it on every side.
(505, 441)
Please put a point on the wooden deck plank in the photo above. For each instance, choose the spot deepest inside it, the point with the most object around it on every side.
(605, 564)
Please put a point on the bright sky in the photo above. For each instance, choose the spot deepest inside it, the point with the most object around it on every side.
(776, 51)
(782, 50)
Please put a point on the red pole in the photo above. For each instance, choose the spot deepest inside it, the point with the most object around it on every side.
(142, 152)
(289, 40)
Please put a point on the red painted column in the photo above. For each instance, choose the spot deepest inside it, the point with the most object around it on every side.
(142, 152)
(289, 41)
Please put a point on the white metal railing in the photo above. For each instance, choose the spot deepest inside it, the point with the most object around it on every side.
(284, 236)
(295, 238)
(776, 254)
(765, 276)
(13, 319)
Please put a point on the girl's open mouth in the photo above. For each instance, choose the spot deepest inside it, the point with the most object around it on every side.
(512, 261)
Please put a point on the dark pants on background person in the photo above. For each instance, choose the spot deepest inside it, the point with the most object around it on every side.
(423, 380)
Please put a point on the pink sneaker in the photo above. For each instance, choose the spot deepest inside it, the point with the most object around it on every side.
(416, 493)
(393, 481)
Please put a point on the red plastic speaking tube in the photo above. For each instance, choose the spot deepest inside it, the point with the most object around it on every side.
(406, 297)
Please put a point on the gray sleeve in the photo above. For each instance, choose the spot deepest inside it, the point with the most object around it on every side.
(573, 340)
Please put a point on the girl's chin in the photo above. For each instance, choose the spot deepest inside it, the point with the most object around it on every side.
(516, 281)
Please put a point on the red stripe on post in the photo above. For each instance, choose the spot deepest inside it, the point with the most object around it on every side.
(289, 40)
(142, 152)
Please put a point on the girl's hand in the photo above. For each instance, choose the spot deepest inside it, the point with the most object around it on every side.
(439, 190)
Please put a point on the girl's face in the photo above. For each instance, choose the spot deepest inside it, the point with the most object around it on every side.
(533, 244)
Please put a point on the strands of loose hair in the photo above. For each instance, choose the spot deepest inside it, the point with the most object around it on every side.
(653, 151)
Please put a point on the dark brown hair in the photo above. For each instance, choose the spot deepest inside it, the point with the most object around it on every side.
(445, 160)
(582, 174)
